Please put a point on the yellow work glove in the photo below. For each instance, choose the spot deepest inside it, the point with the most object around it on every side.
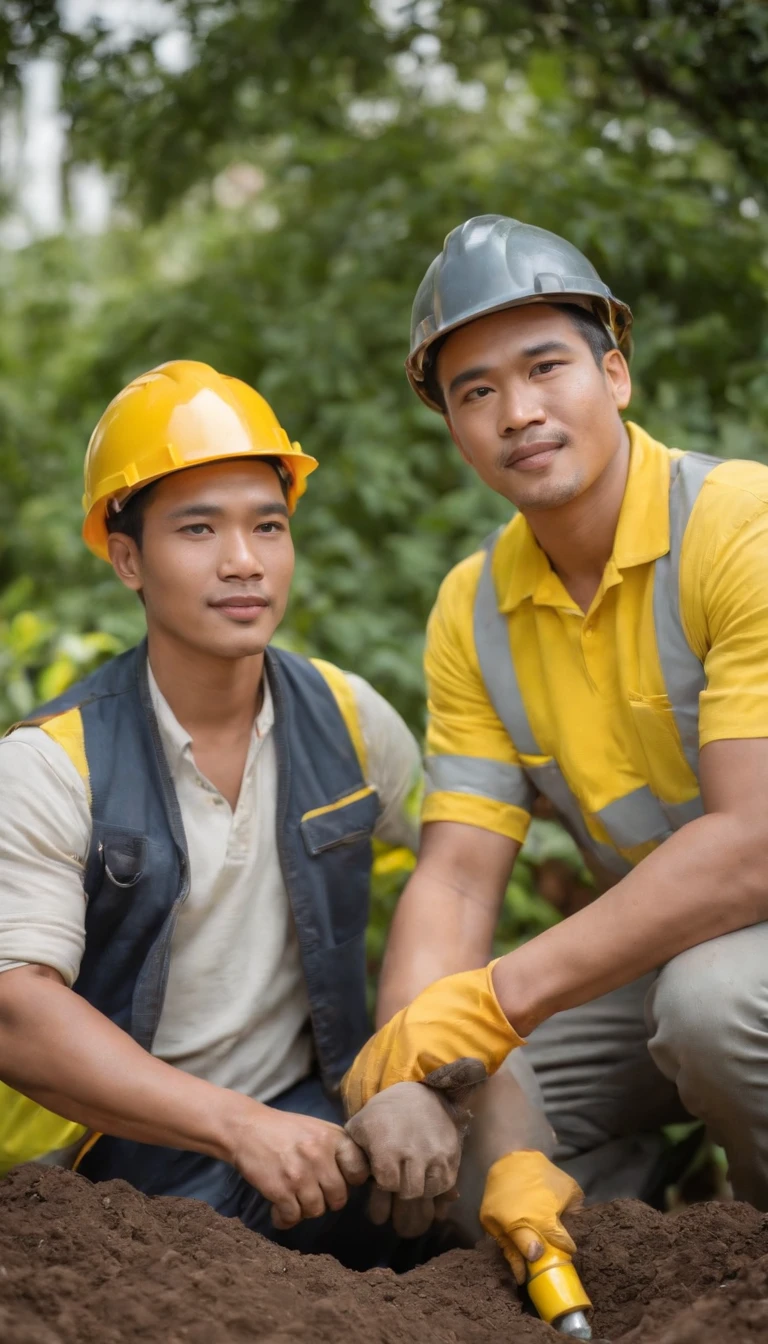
(458, 1017)
(525, 1195)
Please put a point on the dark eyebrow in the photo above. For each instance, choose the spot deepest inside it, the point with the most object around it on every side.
(204, 510)
(547, 348)
(468, 376)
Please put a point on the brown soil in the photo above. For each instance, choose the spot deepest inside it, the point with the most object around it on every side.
(84, 1264)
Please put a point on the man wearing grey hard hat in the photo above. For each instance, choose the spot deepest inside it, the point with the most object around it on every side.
(607, 650)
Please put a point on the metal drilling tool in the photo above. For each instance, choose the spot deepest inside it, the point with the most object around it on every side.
(557, 1293)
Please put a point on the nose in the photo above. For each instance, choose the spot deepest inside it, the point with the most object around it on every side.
(240, 555)
(518, 407)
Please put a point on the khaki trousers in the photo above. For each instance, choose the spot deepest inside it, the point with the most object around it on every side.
(688, 1041)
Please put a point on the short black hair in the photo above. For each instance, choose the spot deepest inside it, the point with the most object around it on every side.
(129, 522)
(588, 324)
(597, 336)
(431, 386)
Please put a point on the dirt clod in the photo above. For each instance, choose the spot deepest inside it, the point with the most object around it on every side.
(84, 1264)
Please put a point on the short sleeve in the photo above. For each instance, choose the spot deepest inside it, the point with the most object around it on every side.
(473, 772)
(724, 591)
(44, 839)
(394, 765)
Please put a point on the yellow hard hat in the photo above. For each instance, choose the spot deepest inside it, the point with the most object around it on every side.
(179, 415)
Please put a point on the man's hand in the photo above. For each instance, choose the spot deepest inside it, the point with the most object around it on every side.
(64, 1054)
(411, 1141)
(409, 1217)
(454, 1018)
(525, 1195)
(302, 1165)
(412, 1134)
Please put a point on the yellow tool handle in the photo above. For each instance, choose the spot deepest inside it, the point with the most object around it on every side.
(554, 1287)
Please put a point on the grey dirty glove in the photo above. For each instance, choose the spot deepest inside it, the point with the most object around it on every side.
(455, 1084)
(412, 1135)
(410, 1217)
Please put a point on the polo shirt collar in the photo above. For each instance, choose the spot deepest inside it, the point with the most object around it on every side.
(521, 567)
(177, 742)
(642, 532)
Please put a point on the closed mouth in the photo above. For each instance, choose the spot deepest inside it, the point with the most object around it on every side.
(544, 450)
(243, 605)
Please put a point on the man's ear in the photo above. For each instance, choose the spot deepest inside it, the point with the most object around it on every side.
(126, 560)
(616, 370)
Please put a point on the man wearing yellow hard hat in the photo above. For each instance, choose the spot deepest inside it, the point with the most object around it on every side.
(185, 846)
(607, 649)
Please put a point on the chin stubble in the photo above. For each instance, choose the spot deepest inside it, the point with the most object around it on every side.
(549, 495)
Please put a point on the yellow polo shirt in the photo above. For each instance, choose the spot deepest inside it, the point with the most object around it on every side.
(592, 684)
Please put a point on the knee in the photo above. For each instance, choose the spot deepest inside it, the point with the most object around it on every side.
(704, 1009)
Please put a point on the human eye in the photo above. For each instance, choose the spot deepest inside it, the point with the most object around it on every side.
(546, 366)
(195, 529)
(269, 528)
(478, 393)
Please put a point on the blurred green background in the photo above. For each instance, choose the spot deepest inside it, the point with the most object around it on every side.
(277, 190)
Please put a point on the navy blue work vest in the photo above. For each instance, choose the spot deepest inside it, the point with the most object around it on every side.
(137, 871)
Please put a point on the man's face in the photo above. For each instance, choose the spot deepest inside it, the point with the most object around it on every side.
(216, 558)
(529, 408)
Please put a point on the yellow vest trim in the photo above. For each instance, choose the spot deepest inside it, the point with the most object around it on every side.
(345, 699)
(86, 1148)
(67, 730)
(29, 1131)
(340, 802)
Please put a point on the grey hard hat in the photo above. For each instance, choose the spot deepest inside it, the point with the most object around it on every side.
(493, 262)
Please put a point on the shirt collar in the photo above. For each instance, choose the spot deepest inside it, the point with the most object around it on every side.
(521, 568)
(177, 742)
(642, 533)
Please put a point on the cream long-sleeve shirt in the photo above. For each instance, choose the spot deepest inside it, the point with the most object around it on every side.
(235, 1009)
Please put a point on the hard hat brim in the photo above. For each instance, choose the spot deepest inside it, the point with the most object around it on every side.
(298, 465)
(606, 309)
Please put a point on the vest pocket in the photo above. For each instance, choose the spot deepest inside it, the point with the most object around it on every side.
(124, 860)
(337, 838)
(343, 822)
(116, 867)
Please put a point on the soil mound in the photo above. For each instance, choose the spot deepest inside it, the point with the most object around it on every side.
(85, 1264)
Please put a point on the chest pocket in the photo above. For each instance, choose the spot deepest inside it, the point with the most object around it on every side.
(338, 836)
(130, 889)
(116, 866)
(668, 773)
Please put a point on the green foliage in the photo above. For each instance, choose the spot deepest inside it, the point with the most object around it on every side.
(707, 61)
(279, 201)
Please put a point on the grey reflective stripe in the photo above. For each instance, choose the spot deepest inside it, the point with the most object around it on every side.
(494, 655)
(679, 814)
(683, 673)
(497, 666)
(550, 780)
(479, 776)
(635, 819)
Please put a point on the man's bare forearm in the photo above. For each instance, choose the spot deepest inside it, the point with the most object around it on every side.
(421, 949)
(446, 917)
(706, 880)
(64, 1054)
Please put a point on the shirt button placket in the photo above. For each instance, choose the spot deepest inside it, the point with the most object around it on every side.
(588, 649)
